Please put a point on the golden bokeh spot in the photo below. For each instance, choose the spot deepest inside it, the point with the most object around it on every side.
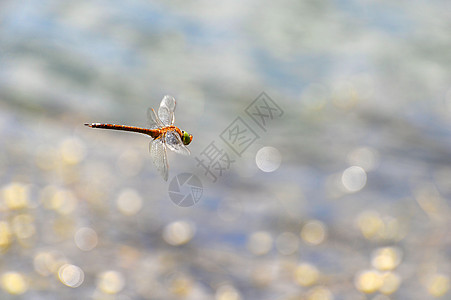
(60, 200)
(314, 232)
(110, 282)
(370, 224)
(14, 283)
(181, 285)
(178, 233)
(64, 202)
(227, 292)
(129, 202)
(41, 263)
(431, 201)
(46, 263)
(320, 293)
(23, 226)
(306, 274)
(390, 283)
(386, 258)
(72, 151)
(438, 285)
(16, 195)
(368, 281)
(5, 235)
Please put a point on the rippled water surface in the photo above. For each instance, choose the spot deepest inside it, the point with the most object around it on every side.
(321, 150)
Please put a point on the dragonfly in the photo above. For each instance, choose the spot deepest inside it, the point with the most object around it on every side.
(161, 128)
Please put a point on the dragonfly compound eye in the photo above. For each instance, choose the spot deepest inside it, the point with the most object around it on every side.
(187, 138)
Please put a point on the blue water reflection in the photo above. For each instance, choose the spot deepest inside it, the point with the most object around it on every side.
(343, 194)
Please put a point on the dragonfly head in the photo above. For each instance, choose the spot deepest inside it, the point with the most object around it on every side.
(186, 137)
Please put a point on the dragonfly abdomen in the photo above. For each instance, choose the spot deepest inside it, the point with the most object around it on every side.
(152, 132)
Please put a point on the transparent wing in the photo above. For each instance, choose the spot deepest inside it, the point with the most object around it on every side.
(174, 142)
(153, 122)
(157, 150)
(166, 110)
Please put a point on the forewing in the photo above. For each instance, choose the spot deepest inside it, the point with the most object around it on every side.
(166, 110)
(174, 142)
(157, 150)
(152, 119)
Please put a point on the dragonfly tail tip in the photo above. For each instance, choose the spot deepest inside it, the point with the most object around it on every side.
(87, 124)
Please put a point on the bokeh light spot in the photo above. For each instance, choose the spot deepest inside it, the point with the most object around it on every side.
(5, 235)
(71, 275)
(129, 202)
(16, 195)
(41, 263)
(14, 283)
(370, 224)
(365, 157)
(181, 285)
(110, 282)
(386, 258)
(314, 232)
(438, 285)
(268, 159)
(390, 283)
(46, 263)
(72, 150)
(320, 293)
(368, 281)
(86, 238)
(431, 201)
(23, 226)
(227, 292)
(178, 233)
(374, 226)
(354, 179)
(63, 201)
(306, 274)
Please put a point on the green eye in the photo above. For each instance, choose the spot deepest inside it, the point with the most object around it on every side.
(186, 137)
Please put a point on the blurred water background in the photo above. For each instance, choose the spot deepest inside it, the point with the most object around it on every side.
(346, 195)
